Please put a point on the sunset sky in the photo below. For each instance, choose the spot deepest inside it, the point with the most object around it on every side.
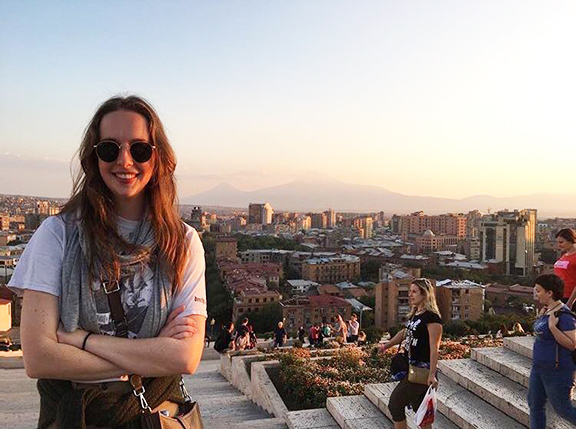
(436, 98)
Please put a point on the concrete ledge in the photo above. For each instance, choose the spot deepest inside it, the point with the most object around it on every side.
(520, 345)
(226, 366)
(379, 395)
(357, 412)
(318, 418)
(264, 392)
(11, 360)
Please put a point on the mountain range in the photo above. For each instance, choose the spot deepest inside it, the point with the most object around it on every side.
(319, 195)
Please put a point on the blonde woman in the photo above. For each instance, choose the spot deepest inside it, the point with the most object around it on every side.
(423, 334)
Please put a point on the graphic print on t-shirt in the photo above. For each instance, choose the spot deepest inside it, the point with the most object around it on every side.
(136, 294)
(563, 265)
(411, 326)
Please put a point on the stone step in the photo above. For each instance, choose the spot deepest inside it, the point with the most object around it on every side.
(356, 412)
(318, 418)
(221, 405)
(502, 393)
(467, 410)
(379, 395)
(272, 423)
(520, 345)
(504, 361)
(20, 402)
(13, 374)
(15, 420)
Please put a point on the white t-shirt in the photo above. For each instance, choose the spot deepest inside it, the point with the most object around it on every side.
(40, 268)
(354, 326)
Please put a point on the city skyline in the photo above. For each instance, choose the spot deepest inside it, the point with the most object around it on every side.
(447, 100)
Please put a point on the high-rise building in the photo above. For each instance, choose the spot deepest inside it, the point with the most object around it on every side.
(418, 223)
(508, 238)
(42, 207)
(304, 223)
(260, 213)
(4, 222)
(473, 219)
(198, 219)
(368, 226)
(330, 218)
(319, 220)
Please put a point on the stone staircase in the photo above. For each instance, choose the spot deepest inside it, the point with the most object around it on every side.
(221, 405)
(488, 391)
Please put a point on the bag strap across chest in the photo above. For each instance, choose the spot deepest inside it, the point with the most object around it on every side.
(112, 291)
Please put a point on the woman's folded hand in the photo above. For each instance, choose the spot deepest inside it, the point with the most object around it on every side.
(178, 327)
(75, 338)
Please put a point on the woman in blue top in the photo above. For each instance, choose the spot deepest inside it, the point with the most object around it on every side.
(553, 369)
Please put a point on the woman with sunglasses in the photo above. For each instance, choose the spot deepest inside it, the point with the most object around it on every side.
(114, 285)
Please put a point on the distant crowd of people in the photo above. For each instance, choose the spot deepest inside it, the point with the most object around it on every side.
(344, 332)
(243, 338)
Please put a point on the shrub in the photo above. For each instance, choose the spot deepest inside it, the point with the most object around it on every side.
(456, 329)
(394, 330)
(373, 334)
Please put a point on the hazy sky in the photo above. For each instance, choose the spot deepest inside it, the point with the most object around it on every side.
(440, 98)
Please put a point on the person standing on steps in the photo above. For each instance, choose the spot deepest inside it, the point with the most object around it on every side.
(553, 369)
(565, 266)
(423, 333)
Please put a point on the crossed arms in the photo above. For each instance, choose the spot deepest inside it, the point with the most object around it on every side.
(52, 353)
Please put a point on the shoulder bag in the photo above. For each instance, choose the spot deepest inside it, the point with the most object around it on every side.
(417, 374)
(188, 416)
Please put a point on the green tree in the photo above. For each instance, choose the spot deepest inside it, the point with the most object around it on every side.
(369, 270)
(266, 319)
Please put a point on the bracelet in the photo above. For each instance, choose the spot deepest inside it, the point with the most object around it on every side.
(86, 339)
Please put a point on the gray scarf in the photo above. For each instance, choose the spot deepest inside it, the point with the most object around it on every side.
(82, 305)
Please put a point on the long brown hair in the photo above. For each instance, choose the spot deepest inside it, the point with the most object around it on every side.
(427, 289)
(93, 202)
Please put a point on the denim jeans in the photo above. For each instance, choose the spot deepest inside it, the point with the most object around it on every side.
(555, 385)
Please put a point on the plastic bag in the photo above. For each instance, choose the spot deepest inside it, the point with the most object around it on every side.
(427, 409)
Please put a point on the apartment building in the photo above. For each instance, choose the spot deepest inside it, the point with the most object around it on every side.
(253, 301)
(460, 299)
(226, 248)
(418, 223)
(305, 311)
(391, 304)
(331, 270)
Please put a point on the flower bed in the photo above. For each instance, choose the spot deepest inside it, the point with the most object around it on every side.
(304, 382)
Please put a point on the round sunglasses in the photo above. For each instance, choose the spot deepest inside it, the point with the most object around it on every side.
(108, 150)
